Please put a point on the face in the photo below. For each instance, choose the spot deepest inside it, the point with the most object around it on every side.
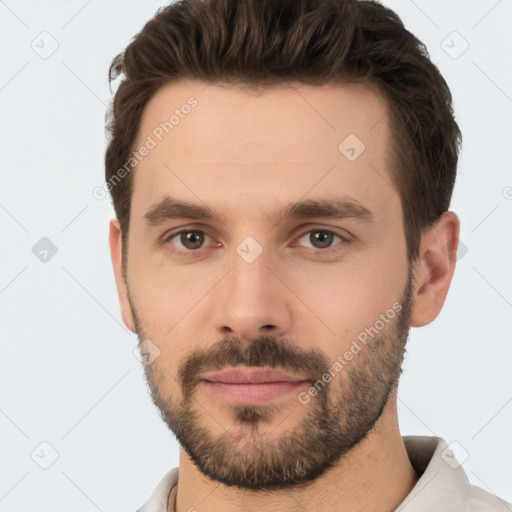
(265, 235)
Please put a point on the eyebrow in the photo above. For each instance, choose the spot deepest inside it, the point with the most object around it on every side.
(170, 208)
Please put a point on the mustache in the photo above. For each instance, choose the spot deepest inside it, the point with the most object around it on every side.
(262, 351)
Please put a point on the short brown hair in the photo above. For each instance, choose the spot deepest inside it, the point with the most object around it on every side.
(271, 42)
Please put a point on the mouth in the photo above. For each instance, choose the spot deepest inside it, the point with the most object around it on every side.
(251, 386)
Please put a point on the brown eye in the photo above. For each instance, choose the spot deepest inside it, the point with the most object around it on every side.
(190, 240)
(320, 238)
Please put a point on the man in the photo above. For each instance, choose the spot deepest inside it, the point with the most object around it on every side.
(281, 172)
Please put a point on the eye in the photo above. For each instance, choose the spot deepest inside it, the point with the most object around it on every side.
(193, 240)
(321, 238)
(188, 239)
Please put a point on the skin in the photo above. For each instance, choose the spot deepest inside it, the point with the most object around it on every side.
(244, 155)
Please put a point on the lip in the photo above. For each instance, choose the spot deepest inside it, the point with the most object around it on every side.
(251, 386)
(251, 376)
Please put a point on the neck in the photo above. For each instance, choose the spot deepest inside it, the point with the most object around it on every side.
(375, 476)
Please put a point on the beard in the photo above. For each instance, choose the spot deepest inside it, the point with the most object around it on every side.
(338, 417)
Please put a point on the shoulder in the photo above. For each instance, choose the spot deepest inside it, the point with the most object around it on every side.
(480, 501)
(443, 484)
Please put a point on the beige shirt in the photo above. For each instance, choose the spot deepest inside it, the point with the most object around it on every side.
(442, 487)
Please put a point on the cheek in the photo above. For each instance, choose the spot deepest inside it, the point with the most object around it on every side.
(166, 292)
(345, 299)
(167, 298)
(175, 347)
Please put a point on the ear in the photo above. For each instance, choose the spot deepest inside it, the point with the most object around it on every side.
(434, 268)
(116, 251)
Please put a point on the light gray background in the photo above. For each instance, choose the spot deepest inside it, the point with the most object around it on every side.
(67, 370)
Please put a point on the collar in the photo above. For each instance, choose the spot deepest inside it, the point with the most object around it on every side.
(443, 484)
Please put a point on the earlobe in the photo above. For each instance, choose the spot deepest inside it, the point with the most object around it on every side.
(116, 253)
(434, 268)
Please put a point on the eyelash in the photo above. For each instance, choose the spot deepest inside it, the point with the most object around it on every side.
(193, 252)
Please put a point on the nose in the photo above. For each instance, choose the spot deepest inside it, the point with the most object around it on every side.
(252, 300)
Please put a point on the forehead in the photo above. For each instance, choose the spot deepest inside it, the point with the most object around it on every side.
(230, 145)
